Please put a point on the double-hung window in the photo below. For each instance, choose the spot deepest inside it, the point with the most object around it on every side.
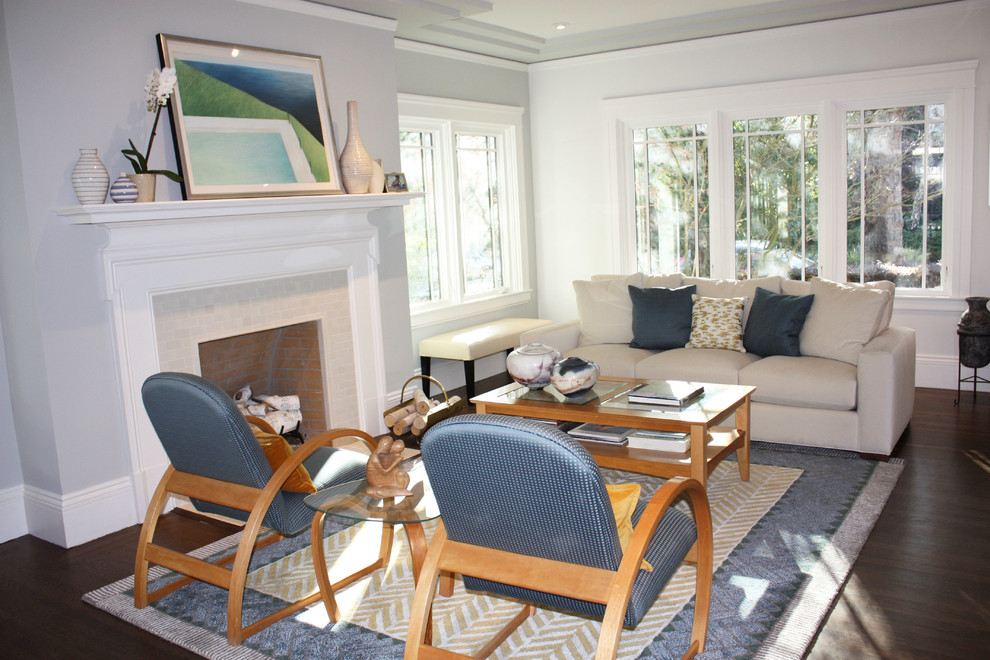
(855, 178)
(464, 238)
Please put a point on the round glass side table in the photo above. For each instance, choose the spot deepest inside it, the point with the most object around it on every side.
(349, 501)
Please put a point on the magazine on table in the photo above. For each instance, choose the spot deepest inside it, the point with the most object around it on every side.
(601, 433)
(671, 441)
(666, 393)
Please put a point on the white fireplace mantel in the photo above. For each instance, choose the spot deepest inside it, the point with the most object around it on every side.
(162, 248)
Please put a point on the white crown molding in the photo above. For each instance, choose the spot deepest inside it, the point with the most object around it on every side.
(459, 55)
(325, 11)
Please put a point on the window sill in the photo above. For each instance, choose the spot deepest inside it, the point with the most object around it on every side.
(447, 313)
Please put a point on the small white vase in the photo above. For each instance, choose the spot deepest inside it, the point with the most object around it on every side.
(145, 186)
(90, 178)
(377, 184)
(355, 163)
(123, 190)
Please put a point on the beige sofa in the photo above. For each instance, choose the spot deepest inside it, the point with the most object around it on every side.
(851, 387)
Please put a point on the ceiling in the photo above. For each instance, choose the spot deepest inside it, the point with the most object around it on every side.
(526, 30)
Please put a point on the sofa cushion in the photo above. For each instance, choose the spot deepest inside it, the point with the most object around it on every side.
(661, 318)
(735, 289)
(708, 365)
(616, 360)
(775, 323)
(669, 280)
(606, 309)
(717, 323)
(842, 319)
(809, 382)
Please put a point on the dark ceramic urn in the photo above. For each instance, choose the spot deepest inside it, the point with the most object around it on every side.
(974, 334)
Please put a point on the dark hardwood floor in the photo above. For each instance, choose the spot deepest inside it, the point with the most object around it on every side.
(919, 589)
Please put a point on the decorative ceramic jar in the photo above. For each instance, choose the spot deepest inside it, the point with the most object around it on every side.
(531, 365)
(974, 334)
(355, 163)
(145, 186)
(574, 376)
(90, 178)
(377, 184)
(123, 190)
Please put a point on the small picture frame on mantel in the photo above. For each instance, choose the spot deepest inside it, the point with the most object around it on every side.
(395, 182)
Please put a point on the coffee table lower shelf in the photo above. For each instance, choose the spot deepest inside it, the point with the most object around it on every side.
(723, 441)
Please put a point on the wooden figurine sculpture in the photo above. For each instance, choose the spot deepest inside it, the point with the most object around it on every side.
(386, 478)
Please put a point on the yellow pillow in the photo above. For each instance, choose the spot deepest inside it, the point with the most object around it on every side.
(276, 451)
(624, 498)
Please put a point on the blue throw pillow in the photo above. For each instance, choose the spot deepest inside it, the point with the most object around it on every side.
(661, 317)
(775, 322)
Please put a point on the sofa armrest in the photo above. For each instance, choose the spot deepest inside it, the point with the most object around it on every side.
(563, 335)
(885, 389)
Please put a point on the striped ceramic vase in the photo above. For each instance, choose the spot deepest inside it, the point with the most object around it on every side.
(90, 178)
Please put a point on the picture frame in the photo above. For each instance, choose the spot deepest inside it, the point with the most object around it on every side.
(249, 122)
(395, 182)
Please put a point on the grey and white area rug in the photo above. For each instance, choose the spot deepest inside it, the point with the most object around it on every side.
(785, 542)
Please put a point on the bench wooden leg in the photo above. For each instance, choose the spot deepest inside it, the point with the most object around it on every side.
(469, 378)
(424, 368)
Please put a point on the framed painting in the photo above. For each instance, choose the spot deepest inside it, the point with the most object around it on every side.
(249, 122)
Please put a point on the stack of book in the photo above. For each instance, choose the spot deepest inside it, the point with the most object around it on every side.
(672, 441)
(666, 393)
(609, 435)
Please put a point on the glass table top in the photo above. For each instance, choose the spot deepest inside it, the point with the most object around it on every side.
(348, 500)
(550, 394)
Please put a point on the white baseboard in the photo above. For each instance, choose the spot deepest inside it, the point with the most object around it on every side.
(73, 519)
(13, 519)
(942, 371)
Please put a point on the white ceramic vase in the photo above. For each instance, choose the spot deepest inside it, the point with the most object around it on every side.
(90, 178)
(123, 190)
(532, 364)
(377, 184)
(355, 163)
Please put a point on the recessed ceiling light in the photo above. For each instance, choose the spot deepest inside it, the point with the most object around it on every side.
(560, 26)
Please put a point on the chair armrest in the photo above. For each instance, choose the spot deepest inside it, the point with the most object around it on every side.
(563, 335)
(885, 378)
(634, 553)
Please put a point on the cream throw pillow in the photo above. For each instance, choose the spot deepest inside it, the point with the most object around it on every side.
(717, 323)
(605, 309)
(844, 318)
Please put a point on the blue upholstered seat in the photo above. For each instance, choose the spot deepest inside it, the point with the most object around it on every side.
(204, 433)
(525, 488)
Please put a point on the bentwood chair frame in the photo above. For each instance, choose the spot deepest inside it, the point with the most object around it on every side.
(253, 501)
(611, 588)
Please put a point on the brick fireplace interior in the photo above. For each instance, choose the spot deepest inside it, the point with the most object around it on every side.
(284, 360)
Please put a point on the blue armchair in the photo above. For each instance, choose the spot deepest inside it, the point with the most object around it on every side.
(217, 462)
(525, 514)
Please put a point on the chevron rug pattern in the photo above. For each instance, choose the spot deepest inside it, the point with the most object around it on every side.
(784, 544)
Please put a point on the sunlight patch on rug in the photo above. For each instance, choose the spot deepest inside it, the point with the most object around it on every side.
(463, 623)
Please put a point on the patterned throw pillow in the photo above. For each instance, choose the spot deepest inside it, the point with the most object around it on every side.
(717, 323)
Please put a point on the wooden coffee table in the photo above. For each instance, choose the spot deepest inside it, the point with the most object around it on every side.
(609, 404)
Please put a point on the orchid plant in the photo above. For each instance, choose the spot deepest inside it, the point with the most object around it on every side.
(158, 90)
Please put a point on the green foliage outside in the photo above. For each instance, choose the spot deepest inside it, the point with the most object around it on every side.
(205, 96)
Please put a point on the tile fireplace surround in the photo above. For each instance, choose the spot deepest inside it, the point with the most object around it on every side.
(181, 273)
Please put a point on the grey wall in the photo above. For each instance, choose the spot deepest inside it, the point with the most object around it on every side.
(72, 76)
(451, 75)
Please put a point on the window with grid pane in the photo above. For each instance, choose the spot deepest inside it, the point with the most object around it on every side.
(775, 168)
(895, 164)
(671, 180)
(464, 238)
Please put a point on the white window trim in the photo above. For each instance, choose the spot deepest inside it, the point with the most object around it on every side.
(505, 122)
(829, 97)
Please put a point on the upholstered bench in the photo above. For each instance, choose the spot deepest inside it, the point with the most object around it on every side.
(469, 344)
